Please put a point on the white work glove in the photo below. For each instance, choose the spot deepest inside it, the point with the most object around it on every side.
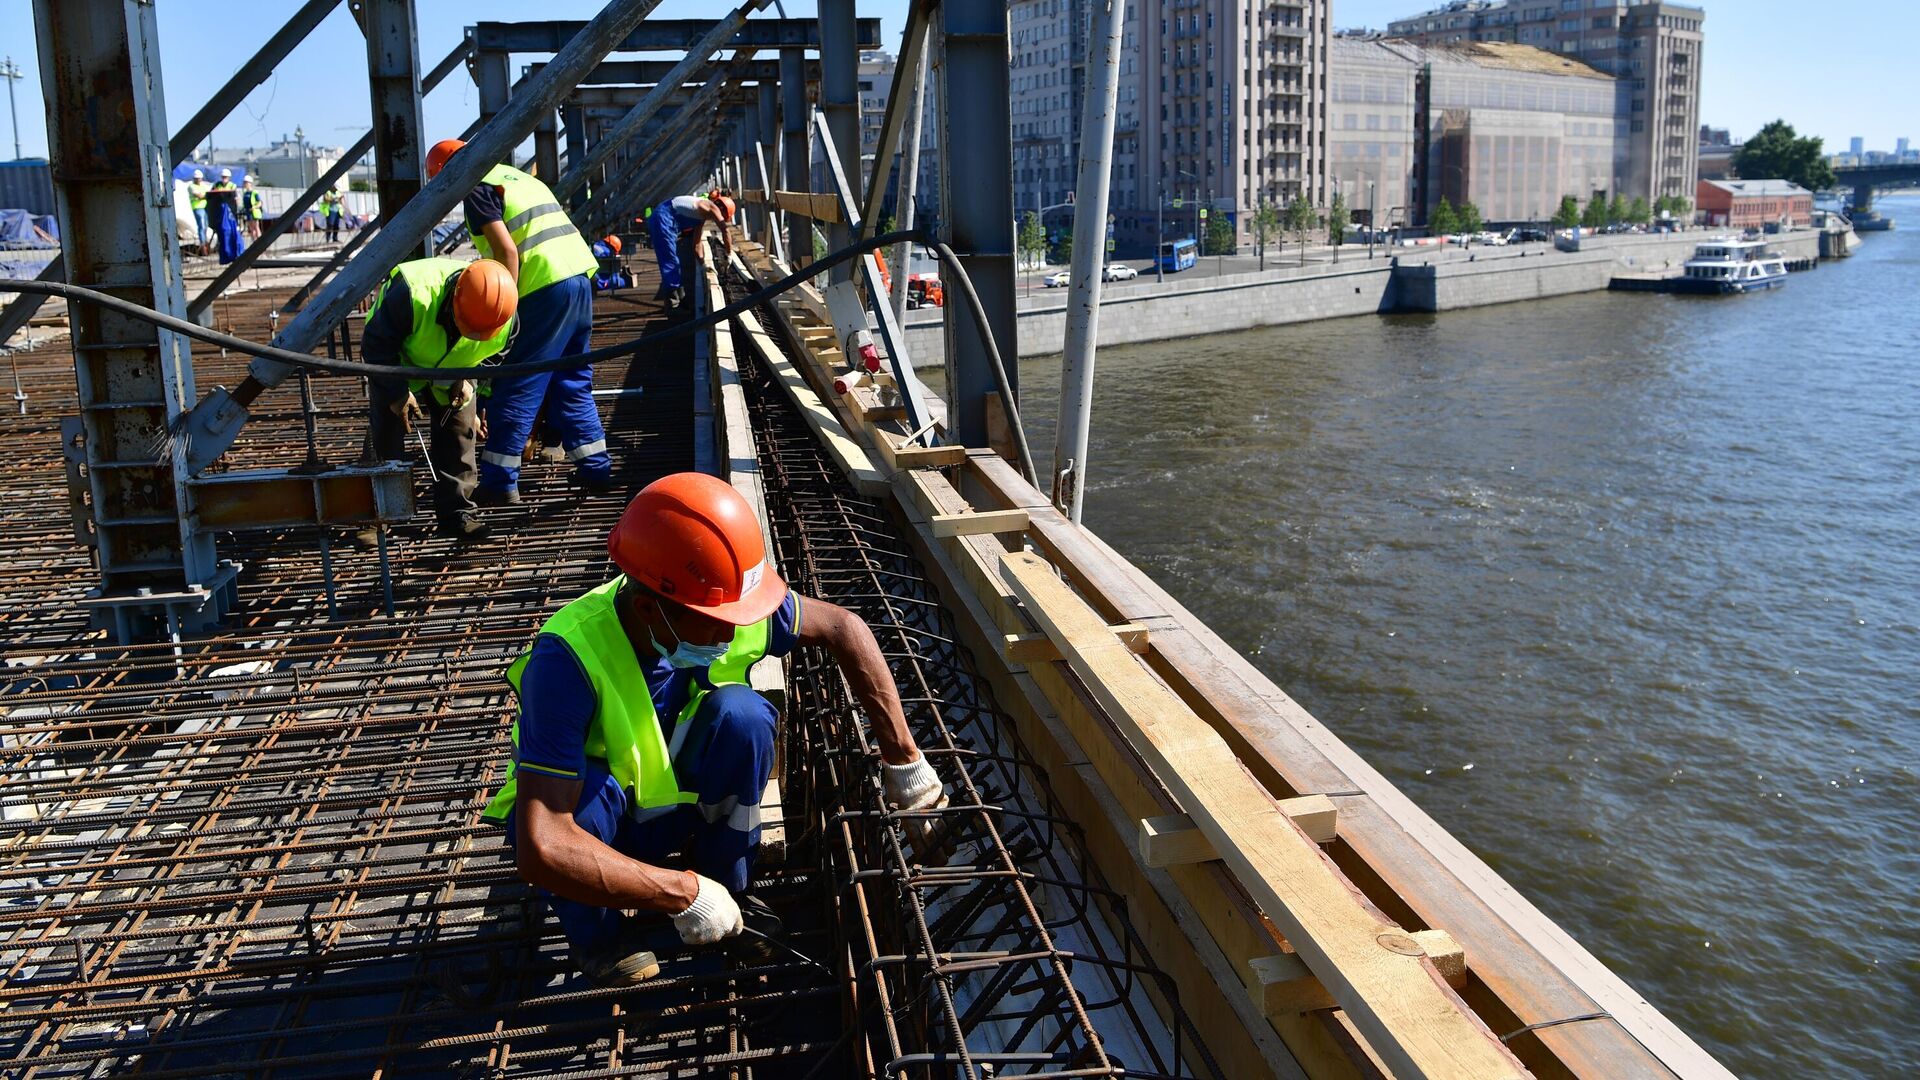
(462, 392)
(713, 916)
(913, 786)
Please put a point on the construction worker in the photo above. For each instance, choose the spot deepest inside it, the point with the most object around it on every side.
(639, 737)
(675, 228)
(514, 218)
(436, 313)
(330, 200)
(223, 216)
(253, 209)
(197, 189)
(609, 274)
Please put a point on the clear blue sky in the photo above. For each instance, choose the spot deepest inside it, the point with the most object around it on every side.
(1834, 69)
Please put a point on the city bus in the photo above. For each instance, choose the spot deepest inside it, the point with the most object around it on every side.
(1179, 255)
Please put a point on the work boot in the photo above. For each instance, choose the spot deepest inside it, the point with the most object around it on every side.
(597, 483)
(488, 496)
(465, 527)
(752, 949)
(367, 539)
(621, 962)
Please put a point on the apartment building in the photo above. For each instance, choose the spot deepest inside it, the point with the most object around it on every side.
(1652, 47)
(1371, 149)
(1048, 40)
(1234, 104)
(876, 82)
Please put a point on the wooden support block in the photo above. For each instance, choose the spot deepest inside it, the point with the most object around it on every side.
(1371, 968)
(900, 457)
(1039, 648)
(773, 824)
(1173, 839)
(979, 523)
(1281, 984)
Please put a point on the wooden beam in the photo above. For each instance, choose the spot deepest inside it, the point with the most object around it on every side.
(1281, 985)
(810, 205)
(980, 523)
(899, 457)
(1039, 648)
(1174, 839)
(1373, 969)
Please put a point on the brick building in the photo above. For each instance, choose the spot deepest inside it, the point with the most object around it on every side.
(1754, 204)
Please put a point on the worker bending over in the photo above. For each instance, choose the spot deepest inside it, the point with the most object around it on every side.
(639, 737)
(436, 313)
(514, 218)
(675, 227)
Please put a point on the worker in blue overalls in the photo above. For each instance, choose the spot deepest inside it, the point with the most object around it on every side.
(638, 736)
(515, 219)
(675, 228)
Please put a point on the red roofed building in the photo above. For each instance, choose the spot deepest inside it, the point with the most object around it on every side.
(1754, 204)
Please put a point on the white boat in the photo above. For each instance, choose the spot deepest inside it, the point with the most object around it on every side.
(1728, 265)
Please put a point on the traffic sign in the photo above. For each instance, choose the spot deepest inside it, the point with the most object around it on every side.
(1177, 202)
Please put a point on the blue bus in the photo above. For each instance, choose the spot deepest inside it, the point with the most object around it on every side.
(1179, 255)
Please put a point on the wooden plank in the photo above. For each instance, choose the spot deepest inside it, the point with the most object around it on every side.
(1174, 839)
(1376, 973)
(980, 522)
(899, 457)
(1281, 984)
(1038, 648)
(810, 205)
(848, 455)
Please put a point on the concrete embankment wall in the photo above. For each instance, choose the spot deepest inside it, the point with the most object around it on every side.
(1233, 302)
(1428, 281)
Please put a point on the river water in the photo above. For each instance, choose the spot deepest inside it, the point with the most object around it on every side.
(1623, 589)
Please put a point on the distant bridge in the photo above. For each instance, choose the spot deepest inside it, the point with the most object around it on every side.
(1864, 178)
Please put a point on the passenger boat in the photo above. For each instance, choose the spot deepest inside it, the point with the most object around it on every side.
(1724, 266)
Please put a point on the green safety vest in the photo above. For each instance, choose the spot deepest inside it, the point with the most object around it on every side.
(253, 202)
(624, 731)
(551, 249)
(197, 194)
(433, 343)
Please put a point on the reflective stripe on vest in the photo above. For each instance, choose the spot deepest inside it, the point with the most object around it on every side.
(427, 345)
(624, 731)
(551, 249)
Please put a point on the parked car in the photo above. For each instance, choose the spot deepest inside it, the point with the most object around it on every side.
(1490, 239)
(1118, 272)
(1528, 236)
(1056, 280)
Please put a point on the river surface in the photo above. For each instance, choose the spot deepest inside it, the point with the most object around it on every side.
(1623, 589)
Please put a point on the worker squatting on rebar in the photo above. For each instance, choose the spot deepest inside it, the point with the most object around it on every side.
(676, 226)
(515, 219)
(638, 736)
(436, 313)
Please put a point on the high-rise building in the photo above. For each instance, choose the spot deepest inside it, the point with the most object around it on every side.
(1653, 47)
(1049, 41)
(1857, 146)
(1234, 98)
(1900, 148)
(876, 83)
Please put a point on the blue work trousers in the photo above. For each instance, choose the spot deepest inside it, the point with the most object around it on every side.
(725, 760)
(554, 321)
(664, 229)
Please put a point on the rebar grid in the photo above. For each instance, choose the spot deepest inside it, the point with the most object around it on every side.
(988, 958)
(260, 853)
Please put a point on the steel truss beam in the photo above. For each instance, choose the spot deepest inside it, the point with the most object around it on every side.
(394, 85)
(653, 72)
(664, 35)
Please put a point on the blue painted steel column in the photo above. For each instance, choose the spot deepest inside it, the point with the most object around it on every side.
(796, 156)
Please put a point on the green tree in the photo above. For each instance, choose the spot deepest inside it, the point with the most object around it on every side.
(1778, 153)
(1595, 215)
(1032, 239)
(1443, 221)
(1219, 237)
(1569, 213)
(1469, 217)
(1638, 213)
(1338, 218)
(1300, 221)
(1266, 223)
(1617, 210)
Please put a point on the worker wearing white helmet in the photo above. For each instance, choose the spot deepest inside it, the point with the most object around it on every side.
(197, 199)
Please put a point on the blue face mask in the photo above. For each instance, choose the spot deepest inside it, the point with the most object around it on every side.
(687, 656)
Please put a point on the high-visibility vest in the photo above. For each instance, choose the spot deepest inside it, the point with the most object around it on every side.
(431, 343)
(551, 249)
(624, 731)
(255, 205)
(197, 194)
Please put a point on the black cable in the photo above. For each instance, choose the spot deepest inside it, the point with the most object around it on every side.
(233, 343)
(1004, 389)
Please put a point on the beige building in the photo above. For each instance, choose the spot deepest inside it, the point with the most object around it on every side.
(1652, 47)
(1370, 128)
(1048, 79)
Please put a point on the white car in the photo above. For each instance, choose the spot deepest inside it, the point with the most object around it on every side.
(1118, 272)
(1056, 280)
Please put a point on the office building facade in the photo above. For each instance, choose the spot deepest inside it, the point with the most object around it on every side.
(1653, 48)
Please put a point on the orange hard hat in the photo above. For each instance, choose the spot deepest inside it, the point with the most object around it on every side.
(691, 538)
(726, 206)
(439, 153)
(484, 299)
(614, 243)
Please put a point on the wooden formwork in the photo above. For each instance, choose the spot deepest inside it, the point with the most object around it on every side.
(1314, 920)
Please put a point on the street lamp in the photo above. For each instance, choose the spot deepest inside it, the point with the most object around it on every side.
(10, 71)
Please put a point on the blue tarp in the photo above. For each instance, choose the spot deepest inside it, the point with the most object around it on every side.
(184, 172)
(19, 229)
